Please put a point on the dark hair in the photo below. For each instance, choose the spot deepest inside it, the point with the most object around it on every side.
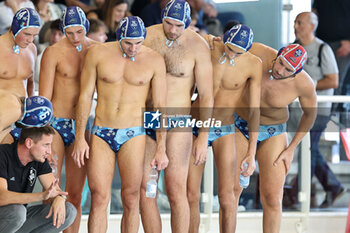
(55, 25)
(107, 12)
(95, 25)
(35, 133)
(230, 24)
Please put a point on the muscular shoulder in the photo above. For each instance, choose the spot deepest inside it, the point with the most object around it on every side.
(253, 59)
(154, 31)
(263, 51)
(151, 53)
(51, 52)
(98, 50)
(153, 56)
(90, 42)
(304, 83)
(196, 41)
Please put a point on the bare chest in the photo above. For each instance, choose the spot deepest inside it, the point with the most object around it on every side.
(277, 93)
(125, 72)
(16, 66)
(69, 65)
(178, 59)
(228, 78)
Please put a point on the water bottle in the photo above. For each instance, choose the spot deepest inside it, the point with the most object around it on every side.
(54, 167)
(244, 181)
(151, 190)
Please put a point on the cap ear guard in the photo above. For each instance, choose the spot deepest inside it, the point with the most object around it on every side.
(172, 11)
(302, 54)
(24, 18)
(87, 26)
(74, 16)
(131, 27)
(280, 51)
(240, 36)
(38, 112)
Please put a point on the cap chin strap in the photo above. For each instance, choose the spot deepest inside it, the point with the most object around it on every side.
(124, 54)
(169, 43)
(223, 59)
(15, 49)
(79, 48)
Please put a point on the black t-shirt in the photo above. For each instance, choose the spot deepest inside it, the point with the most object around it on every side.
(334, 19)
(19, 178)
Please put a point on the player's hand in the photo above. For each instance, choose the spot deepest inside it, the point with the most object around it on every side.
(287, 157)
(57, 211)
(80, 152)
(211, 40)
(344, 49)
(200, 150)
(250, 160)
(53, 191)
(160, 160)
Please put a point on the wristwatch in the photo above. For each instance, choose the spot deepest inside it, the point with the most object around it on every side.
(63, 196)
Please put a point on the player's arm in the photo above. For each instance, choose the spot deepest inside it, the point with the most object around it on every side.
(30, 79)
(159, 96)
(203, 72)
(13, 111)
(87, 88)
(254, 113)
(47, 72)
(308, 103)
(30, 86)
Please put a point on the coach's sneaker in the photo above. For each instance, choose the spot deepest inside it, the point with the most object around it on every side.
(331, 197)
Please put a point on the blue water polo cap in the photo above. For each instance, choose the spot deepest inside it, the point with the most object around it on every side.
(74, 16)
(37, 112)
(131, 27)
(178, 10)
(24, 18)
(240, 36)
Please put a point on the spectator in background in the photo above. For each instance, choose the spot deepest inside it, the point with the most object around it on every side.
(207, 14)
(47, 10)
(96, 13)
(138, 5)
(193, 25)
(53, 35)
(112, 13)
(322, 68)
(333, 30)
(8, 9)
(150, 14)
(97, 30)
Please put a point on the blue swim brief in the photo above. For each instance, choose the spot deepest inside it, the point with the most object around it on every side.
(115, 138)
(66, 129)
(172, 122)
(265, 131)
(216, 132)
